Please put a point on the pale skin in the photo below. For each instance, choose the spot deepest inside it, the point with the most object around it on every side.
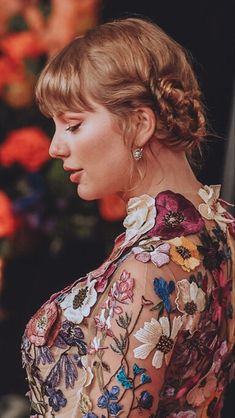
(92, 148)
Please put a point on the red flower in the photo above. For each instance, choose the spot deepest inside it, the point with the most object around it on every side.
(44, 326)
(176, 216)
(7, 219)
(21, 45)
(220, 295)
(112, 208)
(27, 146)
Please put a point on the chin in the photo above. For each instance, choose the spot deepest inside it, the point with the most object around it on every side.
(86, 194)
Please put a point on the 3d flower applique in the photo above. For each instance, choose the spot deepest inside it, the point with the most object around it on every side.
(122, 290)
(164, 289)
(190, 300)
(156, 336)
(103, 321)
(176, 216)
(141, 213)
(184, 253)
(44, 326)
(212, 208)
(77, 304)
(159, 256)
(56, 398)
(96, 345)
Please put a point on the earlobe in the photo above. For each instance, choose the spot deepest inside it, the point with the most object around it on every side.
(145, 120)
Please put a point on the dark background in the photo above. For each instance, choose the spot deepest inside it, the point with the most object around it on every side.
(206, 29)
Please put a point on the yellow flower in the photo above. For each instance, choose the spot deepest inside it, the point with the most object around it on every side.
(184, 253)
(85, 403)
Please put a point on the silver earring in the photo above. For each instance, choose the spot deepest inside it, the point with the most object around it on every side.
(137, 153)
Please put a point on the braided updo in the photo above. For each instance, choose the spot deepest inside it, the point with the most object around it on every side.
(124, 64)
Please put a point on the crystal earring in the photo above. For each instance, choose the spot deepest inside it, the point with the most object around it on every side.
(137, 153)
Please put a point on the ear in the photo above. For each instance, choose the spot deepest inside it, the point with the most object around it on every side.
(145, 124)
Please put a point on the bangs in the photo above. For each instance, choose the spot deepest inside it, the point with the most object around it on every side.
(61, 86)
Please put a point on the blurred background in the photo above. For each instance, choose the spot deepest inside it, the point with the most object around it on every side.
(48, 236)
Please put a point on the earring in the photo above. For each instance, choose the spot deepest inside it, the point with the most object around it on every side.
(137, 153)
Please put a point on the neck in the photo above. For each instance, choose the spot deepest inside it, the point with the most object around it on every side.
(166, 170)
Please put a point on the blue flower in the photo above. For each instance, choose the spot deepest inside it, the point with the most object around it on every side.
(145, 378)
(123, 379)
(103, 400)
(145, 400)
(114, 408)
(90, 415)
(163, 289)
(114, 392)
(137, 370)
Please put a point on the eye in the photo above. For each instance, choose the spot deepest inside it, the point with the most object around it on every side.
(72, 128)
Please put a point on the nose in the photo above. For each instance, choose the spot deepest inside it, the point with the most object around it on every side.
(58, 148)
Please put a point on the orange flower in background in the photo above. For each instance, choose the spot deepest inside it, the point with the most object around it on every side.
(27, 146)
(7, 220)
(10, 72)
(21, 45)
(112, 208)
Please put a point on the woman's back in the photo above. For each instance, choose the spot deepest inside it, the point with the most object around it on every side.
(150, 332)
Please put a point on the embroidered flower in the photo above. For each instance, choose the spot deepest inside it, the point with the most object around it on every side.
(123, 379)
(103, 321)
(72, 335)
(220, 295)
(176, 216)
(202, 390)
(145, 400)
(183, 414)
(95, 345)
(191, 300)
(104, 401)
(56, 398)
(78, 303)
(210, 249)
(184, 253)
(122, 289)
(85, 403)
(159, 256)
(44, 326)
(212, 208)
(156, 336)
(141, 212)
(163, 289)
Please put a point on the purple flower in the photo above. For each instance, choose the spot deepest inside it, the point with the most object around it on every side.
(176, 216)
(104, 401)
(71, 334)
(145, 400)
(56, 398)
(163, 289)
(45, 355)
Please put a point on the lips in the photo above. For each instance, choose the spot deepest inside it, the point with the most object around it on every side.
(75, 176)
(75, 173)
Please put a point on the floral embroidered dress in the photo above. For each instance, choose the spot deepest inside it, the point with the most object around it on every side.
(149, 333)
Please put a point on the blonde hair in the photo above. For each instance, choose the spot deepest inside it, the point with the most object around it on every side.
(124, 64)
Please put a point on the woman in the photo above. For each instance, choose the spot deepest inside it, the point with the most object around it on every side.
(150, 332)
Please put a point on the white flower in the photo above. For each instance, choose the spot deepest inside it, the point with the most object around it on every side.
(141, 213)
(191, 300)
(156, 335)
(78, 303)
(212, 209)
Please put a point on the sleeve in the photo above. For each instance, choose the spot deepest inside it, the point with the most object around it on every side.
(152, 304)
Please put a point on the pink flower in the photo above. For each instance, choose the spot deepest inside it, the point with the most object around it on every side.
(159, 256)
(103, 322)
(44, 326)
(203, 390)
(122, 289)
(176, 216)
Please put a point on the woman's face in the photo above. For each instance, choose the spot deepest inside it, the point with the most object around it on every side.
(92, 148)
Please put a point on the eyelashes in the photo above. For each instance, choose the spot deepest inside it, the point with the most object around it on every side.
(72, 128)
